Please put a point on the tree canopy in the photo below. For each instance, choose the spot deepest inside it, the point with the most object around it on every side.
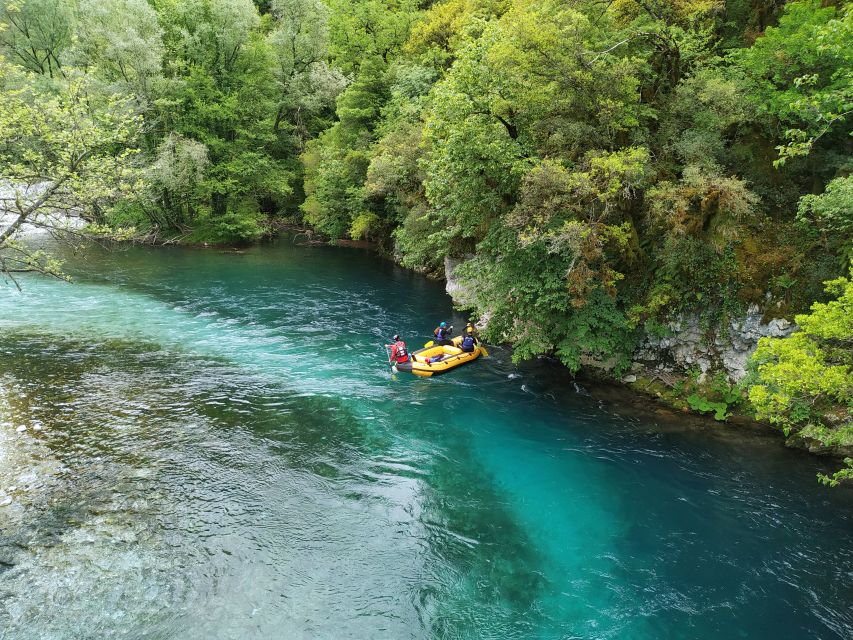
(67, 155)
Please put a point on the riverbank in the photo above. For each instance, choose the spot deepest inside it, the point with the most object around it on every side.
(661, 400)
(672, 395)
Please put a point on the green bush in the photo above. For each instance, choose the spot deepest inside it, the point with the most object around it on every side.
(128, 215)
(233, 227)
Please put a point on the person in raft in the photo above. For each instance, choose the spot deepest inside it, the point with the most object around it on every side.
(399, 352)
(469, 340)
(442, 334)
(472, 330)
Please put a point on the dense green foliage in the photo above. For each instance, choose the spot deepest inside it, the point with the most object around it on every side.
(599, 167)
(229, 98)
(804, 383)
(605, 165)
(63, 150)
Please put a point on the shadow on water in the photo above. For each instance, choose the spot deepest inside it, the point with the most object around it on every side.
(744, 518)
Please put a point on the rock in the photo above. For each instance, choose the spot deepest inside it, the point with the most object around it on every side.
(718, 349)
(629, 379)
(462, 295)
(21, 429)
(483, 323)
(601, 365)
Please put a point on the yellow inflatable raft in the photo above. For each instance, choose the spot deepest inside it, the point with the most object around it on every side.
(452, 357)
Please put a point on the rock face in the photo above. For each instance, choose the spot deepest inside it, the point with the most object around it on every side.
(687, 345)
(461, 294)
(690, 345)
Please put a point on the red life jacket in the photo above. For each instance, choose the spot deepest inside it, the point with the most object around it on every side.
(399, 352)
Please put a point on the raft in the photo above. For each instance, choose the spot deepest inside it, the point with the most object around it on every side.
(419, 364)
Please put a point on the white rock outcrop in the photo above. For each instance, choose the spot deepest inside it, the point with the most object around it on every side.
(690, 345)
(461, 294)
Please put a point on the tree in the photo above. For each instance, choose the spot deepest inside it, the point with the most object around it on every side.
(336, 163)
(64, 155)
(307, 85)
(37, 33)
(832, 213)
(703, 204)
(123, 41)
(221, 93)
(443, 29)
(803, 70)
(579, 215)
(212, 34)
(366, 29)
(547, 276)
(177, 181)
(804, 383)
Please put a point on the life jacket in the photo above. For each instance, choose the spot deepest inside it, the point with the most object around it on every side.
(468, 343)
(401, 354)
(440, 333)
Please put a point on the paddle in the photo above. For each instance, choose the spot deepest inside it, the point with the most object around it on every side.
(429, 344)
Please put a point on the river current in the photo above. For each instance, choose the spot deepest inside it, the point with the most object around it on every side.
(206, 444)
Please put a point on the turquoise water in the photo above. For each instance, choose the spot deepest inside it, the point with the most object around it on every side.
(214, 448)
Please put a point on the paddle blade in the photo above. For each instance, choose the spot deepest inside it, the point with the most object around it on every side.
(484, 352)
(429, 344)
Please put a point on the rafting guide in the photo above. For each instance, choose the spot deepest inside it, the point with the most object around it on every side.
(399, 353)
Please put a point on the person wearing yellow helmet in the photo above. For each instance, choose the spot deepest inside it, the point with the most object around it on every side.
(469, 339)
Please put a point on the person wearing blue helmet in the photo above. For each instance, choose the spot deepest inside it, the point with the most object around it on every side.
(442, 334)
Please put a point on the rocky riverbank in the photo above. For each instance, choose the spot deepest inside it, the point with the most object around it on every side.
(689, 366)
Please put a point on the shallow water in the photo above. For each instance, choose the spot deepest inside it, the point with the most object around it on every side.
(214, 448)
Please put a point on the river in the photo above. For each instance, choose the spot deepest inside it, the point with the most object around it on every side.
(205, 444)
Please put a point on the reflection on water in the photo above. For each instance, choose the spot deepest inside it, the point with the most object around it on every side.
(213, 448)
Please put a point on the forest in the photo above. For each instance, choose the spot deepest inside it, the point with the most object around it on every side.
(596, 167)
